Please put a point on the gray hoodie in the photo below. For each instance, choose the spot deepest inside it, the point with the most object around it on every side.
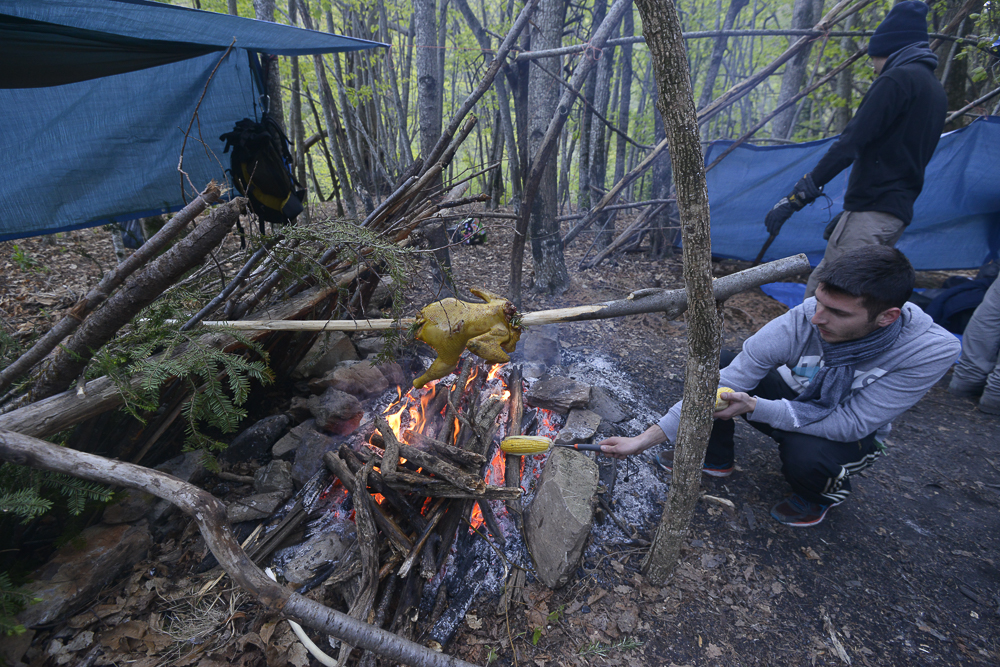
(883, 388)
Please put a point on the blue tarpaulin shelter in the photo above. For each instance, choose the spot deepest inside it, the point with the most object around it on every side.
(956, 221)
(98, 96)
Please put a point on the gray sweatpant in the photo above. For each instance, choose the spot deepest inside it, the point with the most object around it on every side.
(981, 346)
(856, 229)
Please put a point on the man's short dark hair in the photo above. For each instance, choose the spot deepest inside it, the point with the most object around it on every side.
(882, 276)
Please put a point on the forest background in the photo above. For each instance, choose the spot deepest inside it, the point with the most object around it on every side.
(359, 120)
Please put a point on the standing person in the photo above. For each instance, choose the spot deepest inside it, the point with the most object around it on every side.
(825, 380)
(889, 141)
(978, 373)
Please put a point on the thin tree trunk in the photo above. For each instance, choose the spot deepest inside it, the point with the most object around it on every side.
(429, 97)
(598, 161)
(624, 96)
(795, 72)
(663, 35)
(845, 84)
(548, 145)
(543, 99)
(718, 49)
(584, 196)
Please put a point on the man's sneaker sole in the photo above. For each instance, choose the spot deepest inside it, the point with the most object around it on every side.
(813, 517)
(666, 463)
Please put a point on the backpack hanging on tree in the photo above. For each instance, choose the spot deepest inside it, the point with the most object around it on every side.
(261, 167)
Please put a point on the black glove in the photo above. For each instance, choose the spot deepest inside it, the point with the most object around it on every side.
(804, 192)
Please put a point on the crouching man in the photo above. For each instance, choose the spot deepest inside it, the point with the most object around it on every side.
(824, 380)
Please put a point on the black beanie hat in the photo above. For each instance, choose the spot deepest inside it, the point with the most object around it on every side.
(905, 24)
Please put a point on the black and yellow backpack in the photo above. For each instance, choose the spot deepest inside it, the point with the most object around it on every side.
(261, 168)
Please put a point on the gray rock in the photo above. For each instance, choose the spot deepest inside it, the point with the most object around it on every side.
(256, 441)
(369, 345)
(360, 378)
(330, 348)
(336, 412)
(603, 404)
(291, 440)
(82, 568)
(394, 374)
(540, 345)
(311, 554)
(309, 454)
(557, 522)
(559, 394)
(275, 476)
(581, 425)
(258, 506)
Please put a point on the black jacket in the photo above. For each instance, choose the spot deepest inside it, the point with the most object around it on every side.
(892, 136)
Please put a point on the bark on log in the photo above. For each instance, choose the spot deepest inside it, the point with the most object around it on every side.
(210, 515)
(138, 293)
(108, 284)
(676, 103)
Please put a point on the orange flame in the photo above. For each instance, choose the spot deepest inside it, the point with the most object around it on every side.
(477, 518)
(379, 498)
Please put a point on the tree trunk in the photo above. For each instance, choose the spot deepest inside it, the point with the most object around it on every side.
(584, 196)
(661, 239)
(232, 8)
(718, 49)
(543, 99)
(795, 71)
(598, 161)
(662, 29)
(625, 96)
(429, 97)
(264, 11)
(845, 83)
(503, 101)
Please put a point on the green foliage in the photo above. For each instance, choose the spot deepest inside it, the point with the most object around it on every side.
(27, 493)
(23, 260)
(12, 600)
(219, 382)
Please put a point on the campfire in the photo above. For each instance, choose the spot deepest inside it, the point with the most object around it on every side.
(446, 500)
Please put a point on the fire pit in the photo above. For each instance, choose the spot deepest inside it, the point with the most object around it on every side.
(446, 507)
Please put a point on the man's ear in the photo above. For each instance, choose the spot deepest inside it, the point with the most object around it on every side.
(888, 316)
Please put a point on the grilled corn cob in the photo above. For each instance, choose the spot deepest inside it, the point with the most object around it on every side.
(525, 444)
(719, 403)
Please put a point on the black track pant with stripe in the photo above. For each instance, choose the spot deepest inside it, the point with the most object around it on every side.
(817, 468)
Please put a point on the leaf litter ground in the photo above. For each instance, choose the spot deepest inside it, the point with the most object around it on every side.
(905, 572)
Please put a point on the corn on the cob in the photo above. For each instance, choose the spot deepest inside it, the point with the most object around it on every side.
(719, 403)
(525, 444)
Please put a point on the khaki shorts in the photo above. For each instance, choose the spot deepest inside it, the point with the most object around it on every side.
(856, 229)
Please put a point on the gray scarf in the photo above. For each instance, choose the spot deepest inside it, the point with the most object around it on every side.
(833, 381)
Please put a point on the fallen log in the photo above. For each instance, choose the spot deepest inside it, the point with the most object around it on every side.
(210, 515)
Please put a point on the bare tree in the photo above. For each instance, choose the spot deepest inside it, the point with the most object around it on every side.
(543, 100)
(264, 11)
(795, 70)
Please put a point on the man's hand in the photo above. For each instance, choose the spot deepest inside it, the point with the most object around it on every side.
(804, 192)
(739, 404)
(619, 447)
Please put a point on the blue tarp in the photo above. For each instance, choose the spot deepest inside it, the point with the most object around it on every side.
(105, 149)
(956, 222)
